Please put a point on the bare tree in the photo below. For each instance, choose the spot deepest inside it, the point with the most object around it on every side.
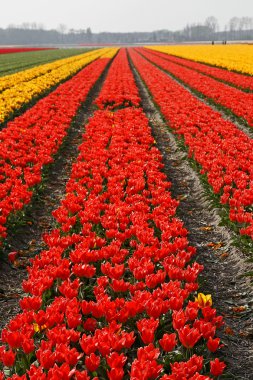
(12, 26)
(89, 35)
(26, 25)
(246, 23)
(212, 23)
(62, 28)
(34, 26)
(233, 24)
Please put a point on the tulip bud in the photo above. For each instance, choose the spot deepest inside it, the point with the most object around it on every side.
(12, 256)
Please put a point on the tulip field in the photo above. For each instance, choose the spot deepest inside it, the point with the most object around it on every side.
(20, 61)
(120, 290)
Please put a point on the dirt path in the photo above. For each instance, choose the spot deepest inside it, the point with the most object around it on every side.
(27, 239)
(224, 264)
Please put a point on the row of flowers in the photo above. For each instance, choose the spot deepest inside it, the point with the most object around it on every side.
(9, 81)
(30, 141)
(237, 101)
(119, 89)
(223, 151)
(13, 63)
(113, 295)
(231, 57)
(7, 50)
(20, 88)
(241, 81)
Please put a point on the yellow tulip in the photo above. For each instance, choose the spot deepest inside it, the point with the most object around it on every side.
(204, 300)
(38, 328)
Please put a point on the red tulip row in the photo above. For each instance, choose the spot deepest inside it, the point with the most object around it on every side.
(244, 82)
(223, 151)
(239, 102)
(119, 89)
(21, 50)
(30, 141)
(112, 297)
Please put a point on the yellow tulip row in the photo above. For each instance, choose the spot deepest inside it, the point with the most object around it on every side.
(110, 53)
(27, 84)
(232, 57)
(9, 81)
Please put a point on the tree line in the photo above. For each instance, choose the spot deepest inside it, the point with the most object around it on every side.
(32, 33)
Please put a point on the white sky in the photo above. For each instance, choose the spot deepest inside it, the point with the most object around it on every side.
(121, 15)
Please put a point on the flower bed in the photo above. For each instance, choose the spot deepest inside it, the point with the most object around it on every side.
(119, 89)
(20, 88)
(11, 63)
(113, 295)
(244, 82)
(239, 102)
(231, 57)
(223, 151)
(30, 141)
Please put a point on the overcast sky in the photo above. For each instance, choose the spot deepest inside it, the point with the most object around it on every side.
(121, 15)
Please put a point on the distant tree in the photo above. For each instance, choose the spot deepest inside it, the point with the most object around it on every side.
(187, 32)
(212, 23)
(34, 26)
(41, 26)
(89, 34)
(33, 33)
(11, 26)
(26, 25)
(245, 23)
(62, 28)
(233, 24)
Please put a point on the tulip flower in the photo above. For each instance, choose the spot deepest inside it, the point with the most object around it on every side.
(12, 256)
(204, 300)
(213, 344)
(217, 367)
(168, 342)
(8, 358)
(189, 336)
(92, 362)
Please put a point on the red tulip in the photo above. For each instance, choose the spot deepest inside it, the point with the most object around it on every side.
(12, 256)
(92, 362)
(189, 336)
(168, 342)
(217, 367)
(8, 358)
(213, 344)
